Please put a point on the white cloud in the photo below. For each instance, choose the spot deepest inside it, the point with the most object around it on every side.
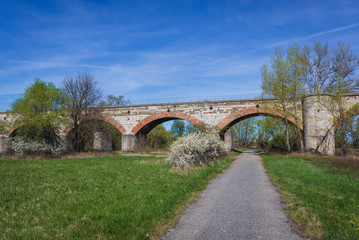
(298, 39)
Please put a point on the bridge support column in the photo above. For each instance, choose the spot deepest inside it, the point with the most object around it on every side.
(102, 141)
(129, 142)
(3, 144)
(229, 138)
(318, 125)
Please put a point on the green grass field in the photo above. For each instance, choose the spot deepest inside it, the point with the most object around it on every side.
(114, 197)
(322, 193)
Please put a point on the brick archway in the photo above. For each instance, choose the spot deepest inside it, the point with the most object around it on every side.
(147, 124)
(104, 118)
(232, 119)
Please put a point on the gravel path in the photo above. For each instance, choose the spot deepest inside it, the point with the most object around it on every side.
(241, 203)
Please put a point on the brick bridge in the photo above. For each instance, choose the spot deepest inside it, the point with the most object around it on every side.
(135, 120)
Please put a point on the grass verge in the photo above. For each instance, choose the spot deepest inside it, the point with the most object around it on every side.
(115, 197)
(322, 195)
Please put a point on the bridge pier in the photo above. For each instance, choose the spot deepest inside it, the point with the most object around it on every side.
(318, 125)
(129, 142)
(3, 144)
(102, 141)
(229, 138)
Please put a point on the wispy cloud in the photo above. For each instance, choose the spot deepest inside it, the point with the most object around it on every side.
(298, 39)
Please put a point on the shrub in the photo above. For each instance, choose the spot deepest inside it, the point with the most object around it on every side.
(23, 146)
(197, 149)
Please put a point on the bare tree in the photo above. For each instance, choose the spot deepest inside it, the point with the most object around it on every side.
(332, 73)
(344, 64)
(318, 72)
(83, 95)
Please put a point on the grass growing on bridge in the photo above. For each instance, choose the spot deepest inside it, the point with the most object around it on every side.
(322, 193)
(115, 197)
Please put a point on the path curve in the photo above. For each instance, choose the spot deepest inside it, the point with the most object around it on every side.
(241, 203)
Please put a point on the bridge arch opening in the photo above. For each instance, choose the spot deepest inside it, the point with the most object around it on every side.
(152, 133)
(346, 135)
(100, 133)
(240, 115)
(258, 127)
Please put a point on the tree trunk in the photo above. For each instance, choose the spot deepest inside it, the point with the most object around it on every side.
(301, 142)
(287, 135)
(344, 148)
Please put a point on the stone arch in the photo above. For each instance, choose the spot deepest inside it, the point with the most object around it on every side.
(104, 118)
(147, 124)
(242, 114)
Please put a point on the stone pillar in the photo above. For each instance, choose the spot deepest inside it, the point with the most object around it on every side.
(318, 125)
(102, 141)
(229, 138)
(129, 142)
(3, 144)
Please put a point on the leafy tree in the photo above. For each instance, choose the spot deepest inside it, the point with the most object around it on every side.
(158, 138)
(282, 81)
(297, 92)
(271, 134)
(178, 128)
(83, 95)
(192, 128)
(245, 132)
(39, 112)
(264, 133)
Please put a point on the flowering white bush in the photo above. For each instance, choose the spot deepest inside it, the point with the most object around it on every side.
(197, 149)
(21, 146)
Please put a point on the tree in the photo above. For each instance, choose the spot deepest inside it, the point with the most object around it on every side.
(158, 138)
(83, 95)
(344, 66)
(192, 128)
(352, 132)
(39, 112)
(317, 71)
(178, 128)
(112, 100)
(271, 134)
(276, 84)
(297, 92)
(332, 73)
(245, 132)
(284, 82)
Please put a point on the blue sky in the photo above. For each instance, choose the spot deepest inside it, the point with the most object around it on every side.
(161, 49)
